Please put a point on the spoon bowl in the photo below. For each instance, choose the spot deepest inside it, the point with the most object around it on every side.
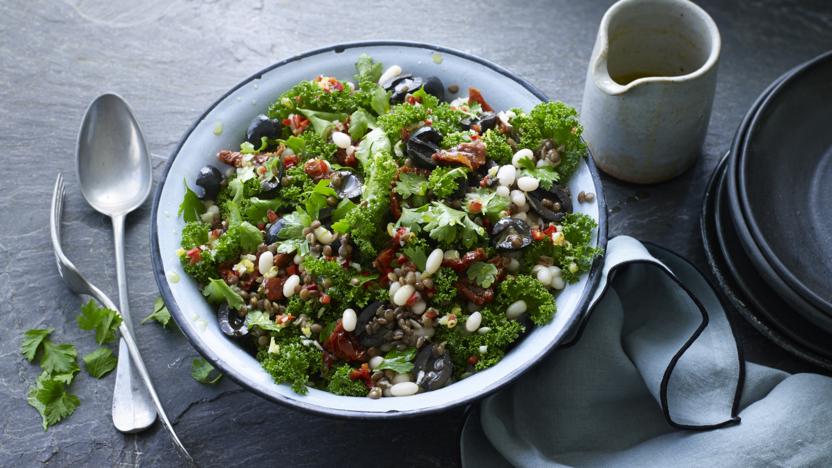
(114, 171)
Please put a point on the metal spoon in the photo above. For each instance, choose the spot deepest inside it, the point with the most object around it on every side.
(115, 176)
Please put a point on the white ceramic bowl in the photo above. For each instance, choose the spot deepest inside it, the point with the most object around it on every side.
(234, 110)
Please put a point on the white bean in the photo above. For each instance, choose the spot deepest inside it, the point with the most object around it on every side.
(506, 175)
(375, 361)
(513, 265)
(516, 309)
(524, 153)
(349, 320)
(403, 294)
(555, 271)
(521, 215)
(394, 286)
(544, 163)
(503, 191)
(399, 378)
(518, 198)
(404, 389)
(341, 139)
(557, 282)
(289, 286)
(323, 235)
(528, 184)
(390, 73)
(544, 276)
(419, 307)
(473, 322)
(297, 259)
(265, 263)
(483, 349)
(433, 262)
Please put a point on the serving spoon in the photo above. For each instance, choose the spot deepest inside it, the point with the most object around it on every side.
(115, 176)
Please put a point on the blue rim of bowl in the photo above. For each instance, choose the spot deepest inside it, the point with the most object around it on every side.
(816, 300)
(262, 391)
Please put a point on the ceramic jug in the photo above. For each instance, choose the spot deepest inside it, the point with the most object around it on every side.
(649, 88)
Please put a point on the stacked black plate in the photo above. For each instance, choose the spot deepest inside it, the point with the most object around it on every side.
(767, 215)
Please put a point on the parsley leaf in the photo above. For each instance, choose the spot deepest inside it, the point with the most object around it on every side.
(291, 245)
(100, 362)
(417, 255)
(380, 100)
(32, 341)
(50, 398)
(494, 206)
(483, 273)
(160, 313)
(374, 142)
(545, 174)
(58, 359)
(204, 373)
(104, 321)
(411, 184)
(443, 223)
(293, 224)
(360, 122)
(343, 208)
(218, 291)
(191, 206)
(316, 201)
(261, 320)
(323, 122)
(398, 361)
(369, 71)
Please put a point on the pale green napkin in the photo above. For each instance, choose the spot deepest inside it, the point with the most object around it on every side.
(654, 378)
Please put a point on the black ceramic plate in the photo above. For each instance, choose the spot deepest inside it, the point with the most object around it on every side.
(785, 181)
(747, 243)
(743, 288)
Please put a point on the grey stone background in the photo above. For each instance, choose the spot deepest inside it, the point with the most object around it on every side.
(170, 60)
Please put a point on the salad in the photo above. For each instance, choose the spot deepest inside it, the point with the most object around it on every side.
(384, 236)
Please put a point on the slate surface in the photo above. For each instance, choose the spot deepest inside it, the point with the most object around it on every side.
(171, 59)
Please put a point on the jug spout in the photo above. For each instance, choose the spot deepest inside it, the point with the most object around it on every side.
(649, 88)
(649, 41)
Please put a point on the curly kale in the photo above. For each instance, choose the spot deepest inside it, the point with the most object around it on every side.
(308, 95)
(558, 122)
(445, 284)
(573, 252)
(342, 290)
(482, 349)
(237, 240)
(539, 300)
(407, 116)
(445, 181)
(194, 234)
(497, 147)
(576, 255)
(452, 139)
(292, 364)
(202, 271)
(363, 223)
(341, 384)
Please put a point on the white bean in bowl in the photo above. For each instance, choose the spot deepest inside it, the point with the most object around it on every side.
(404, 389)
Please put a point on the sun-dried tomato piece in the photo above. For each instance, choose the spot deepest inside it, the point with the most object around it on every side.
(274, 288)
(474, 95)
(462, 263)
(344, 345)
(469, 154)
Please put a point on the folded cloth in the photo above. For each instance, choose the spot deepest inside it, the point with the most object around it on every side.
(653, 378)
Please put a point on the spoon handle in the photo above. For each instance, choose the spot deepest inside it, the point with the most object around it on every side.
(132, 410)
